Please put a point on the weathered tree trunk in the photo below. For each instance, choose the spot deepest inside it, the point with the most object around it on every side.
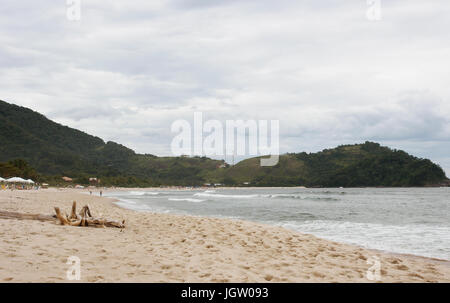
(83, 219)
(85, 211)
(73, 215)
(21, 216)
(64, 220)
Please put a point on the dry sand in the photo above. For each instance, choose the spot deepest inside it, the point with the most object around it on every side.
(170, 248)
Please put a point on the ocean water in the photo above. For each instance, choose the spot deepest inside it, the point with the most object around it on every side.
(402, 220)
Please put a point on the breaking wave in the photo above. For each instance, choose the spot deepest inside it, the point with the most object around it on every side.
(187, 200)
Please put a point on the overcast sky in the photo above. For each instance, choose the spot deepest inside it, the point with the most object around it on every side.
(127, 69)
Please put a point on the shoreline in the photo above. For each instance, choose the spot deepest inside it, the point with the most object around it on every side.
(181, 248)
(198, 216)
(113, 201)
(240, 187)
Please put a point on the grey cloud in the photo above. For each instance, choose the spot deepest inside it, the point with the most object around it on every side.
(127, 70)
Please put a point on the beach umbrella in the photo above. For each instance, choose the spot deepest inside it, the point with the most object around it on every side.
(2, 180)
(30, 181)
(16, 180)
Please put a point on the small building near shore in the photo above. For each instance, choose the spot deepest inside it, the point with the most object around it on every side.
(94, 181)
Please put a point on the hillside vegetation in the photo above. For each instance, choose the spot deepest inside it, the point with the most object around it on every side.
(367, 164)
(54, 150)
(36, 147)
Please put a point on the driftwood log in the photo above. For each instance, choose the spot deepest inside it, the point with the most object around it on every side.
(21, 216)
(84, 218)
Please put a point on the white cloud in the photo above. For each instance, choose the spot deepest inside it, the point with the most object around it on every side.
(128, 69)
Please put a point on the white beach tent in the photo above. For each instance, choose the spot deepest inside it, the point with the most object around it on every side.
(30, 181)
(2, 180)
(16, 180)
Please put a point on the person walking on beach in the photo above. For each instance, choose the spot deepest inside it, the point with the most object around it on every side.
(101, 193)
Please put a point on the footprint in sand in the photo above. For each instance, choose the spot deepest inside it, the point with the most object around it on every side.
(415, 275)
(318, 274)
(402, 267)
(394, 261)
(95, 278)
(205, 275)
(362, 257)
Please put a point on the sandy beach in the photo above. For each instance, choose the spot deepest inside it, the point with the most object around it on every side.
(172, 248)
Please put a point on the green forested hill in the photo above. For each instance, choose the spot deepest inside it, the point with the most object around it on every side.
(50, 147)
(52, 150)
(56, 150)
(367, 164)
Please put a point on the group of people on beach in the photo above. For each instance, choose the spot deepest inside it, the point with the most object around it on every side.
(101, 193)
